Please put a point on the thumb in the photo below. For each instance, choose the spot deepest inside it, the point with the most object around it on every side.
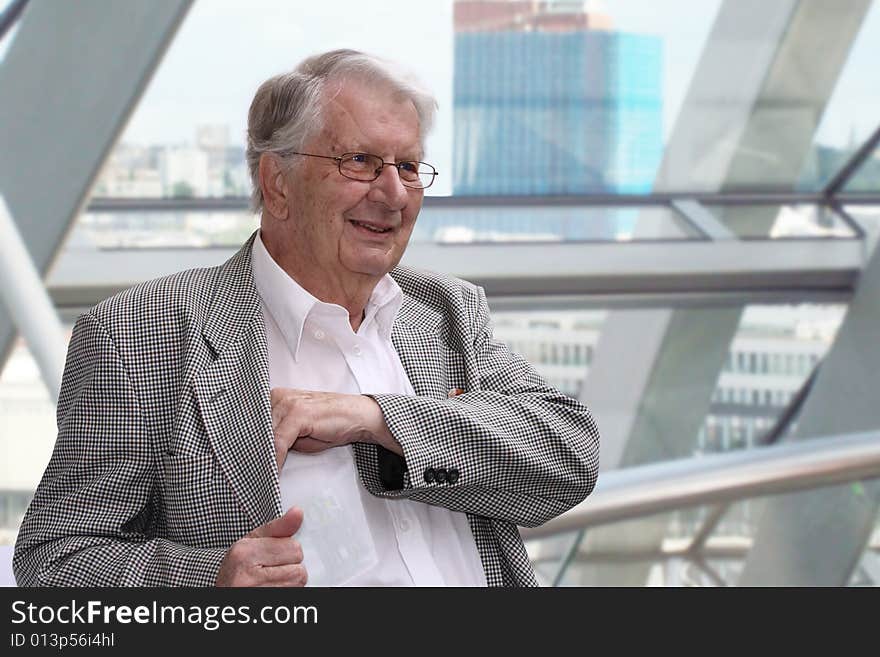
(286, 525)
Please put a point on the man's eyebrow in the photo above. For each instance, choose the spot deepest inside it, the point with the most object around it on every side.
(357, 148)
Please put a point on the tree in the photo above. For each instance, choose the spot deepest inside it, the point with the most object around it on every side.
(182, 189)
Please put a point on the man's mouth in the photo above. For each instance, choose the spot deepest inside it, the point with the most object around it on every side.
(373, 228)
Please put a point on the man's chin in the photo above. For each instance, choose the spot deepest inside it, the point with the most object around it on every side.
(373, 265)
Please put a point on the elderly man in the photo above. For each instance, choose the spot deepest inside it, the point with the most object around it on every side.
(307, 411)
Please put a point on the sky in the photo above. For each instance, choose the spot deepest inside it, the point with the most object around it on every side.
(226, 48)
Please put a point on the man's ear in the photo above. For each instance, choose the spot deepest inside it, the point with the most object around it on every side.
(273, 184)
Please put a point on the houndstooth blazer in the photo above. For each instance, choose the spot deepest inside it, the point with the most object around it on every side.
(165, 455)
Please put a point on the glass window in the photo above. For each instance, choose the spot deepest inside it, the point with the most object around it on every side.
(781, 221)
(850, 116)
(792, 335)
(867, 177)
(580, 107)
(186, 136)
(515, 222)
(439, 222)
(27, 435)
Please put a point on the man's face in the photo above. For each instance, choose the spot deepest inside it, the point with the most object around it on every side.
(346, 228)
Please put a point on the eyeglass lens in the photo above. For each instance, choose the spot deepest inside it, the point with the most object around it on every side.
(363, 166)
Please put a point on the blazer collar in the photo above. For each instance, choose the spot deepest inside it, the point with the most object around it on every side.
(236, 301)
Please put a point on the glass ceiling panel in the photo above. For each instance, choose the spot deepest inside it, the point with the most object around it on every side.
(782, 221)
(851, 115)
(786, 122)
(583, 103)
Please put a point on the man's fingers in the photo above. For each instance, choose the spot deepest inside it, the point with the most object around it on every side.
(280, 454)
(286, 525)
(285, 551)
(309, 445)
(290, 575)
(287, 431)
(277, 394)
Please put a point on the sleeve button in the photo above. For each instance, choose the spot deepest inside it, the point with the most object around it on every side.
(453, 475)
(429, 475)
(441, 475)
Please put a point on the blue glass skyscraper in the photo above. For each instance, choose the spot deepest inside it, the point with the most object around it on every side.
(548, 112)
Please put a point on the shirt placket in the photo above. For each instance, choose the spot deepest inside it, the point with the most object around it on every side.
(363, 361)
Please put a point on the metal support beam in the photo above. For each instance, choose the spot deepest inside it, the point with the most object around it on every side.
(768, 267)
(703, 219)
(816, 538)
(866, 150)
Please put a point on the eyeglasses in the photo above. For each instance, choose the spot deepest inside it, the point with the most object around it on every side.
(367, 167)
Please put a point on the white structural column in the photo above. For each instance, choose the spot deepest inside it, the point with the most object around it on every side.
(653, 374)
(27, 300)
(69, 81)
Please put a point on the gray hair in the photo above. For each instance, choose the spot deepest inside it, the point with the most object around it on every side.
(287, 109)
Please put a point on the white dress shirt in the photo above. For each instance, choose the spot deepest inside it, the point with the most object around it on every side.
(350, 537)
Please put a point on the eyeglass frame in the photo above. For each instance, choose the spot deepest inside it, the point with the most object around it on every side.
(339, 158)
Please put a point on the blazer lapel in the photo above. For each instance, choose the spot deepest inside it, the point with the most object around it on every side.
(233, 390)
(422, 354)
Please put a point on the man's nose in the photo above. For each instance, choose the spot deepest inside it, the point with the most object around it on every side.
(389, 189)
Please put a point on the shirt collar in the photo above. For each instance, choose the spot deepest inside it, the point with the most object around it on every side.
(383, 306)
(290, 304)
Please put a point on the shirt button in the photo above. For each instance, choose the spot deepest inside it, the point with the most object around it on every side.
(404, 525)
(319, 334)
(357, 350)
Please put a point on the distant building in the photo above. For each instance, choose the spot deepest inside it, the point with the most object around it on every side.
(213, 139)
(184, 171)
(548, 100)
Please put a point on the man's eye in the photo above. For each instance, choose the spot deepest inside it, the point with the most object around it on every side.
(360, 158)
(411, 167)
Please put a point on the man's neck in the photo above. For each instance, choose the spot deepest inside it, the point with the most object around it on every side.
(351, 292)
(351, 295)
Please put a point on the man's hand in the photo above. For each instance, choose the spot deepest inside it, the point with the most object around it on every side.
(311, 422)
(268, 556)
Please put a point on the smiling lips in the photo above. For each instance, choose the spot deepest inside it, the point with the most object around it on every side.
(373, 228)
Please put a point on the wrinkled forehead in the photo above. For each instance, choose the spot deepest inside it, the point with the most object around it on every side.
(370, 116)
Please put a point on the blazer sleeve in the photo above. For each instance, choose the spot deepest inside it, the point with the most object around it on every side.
(518, 449)
(89, 523)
